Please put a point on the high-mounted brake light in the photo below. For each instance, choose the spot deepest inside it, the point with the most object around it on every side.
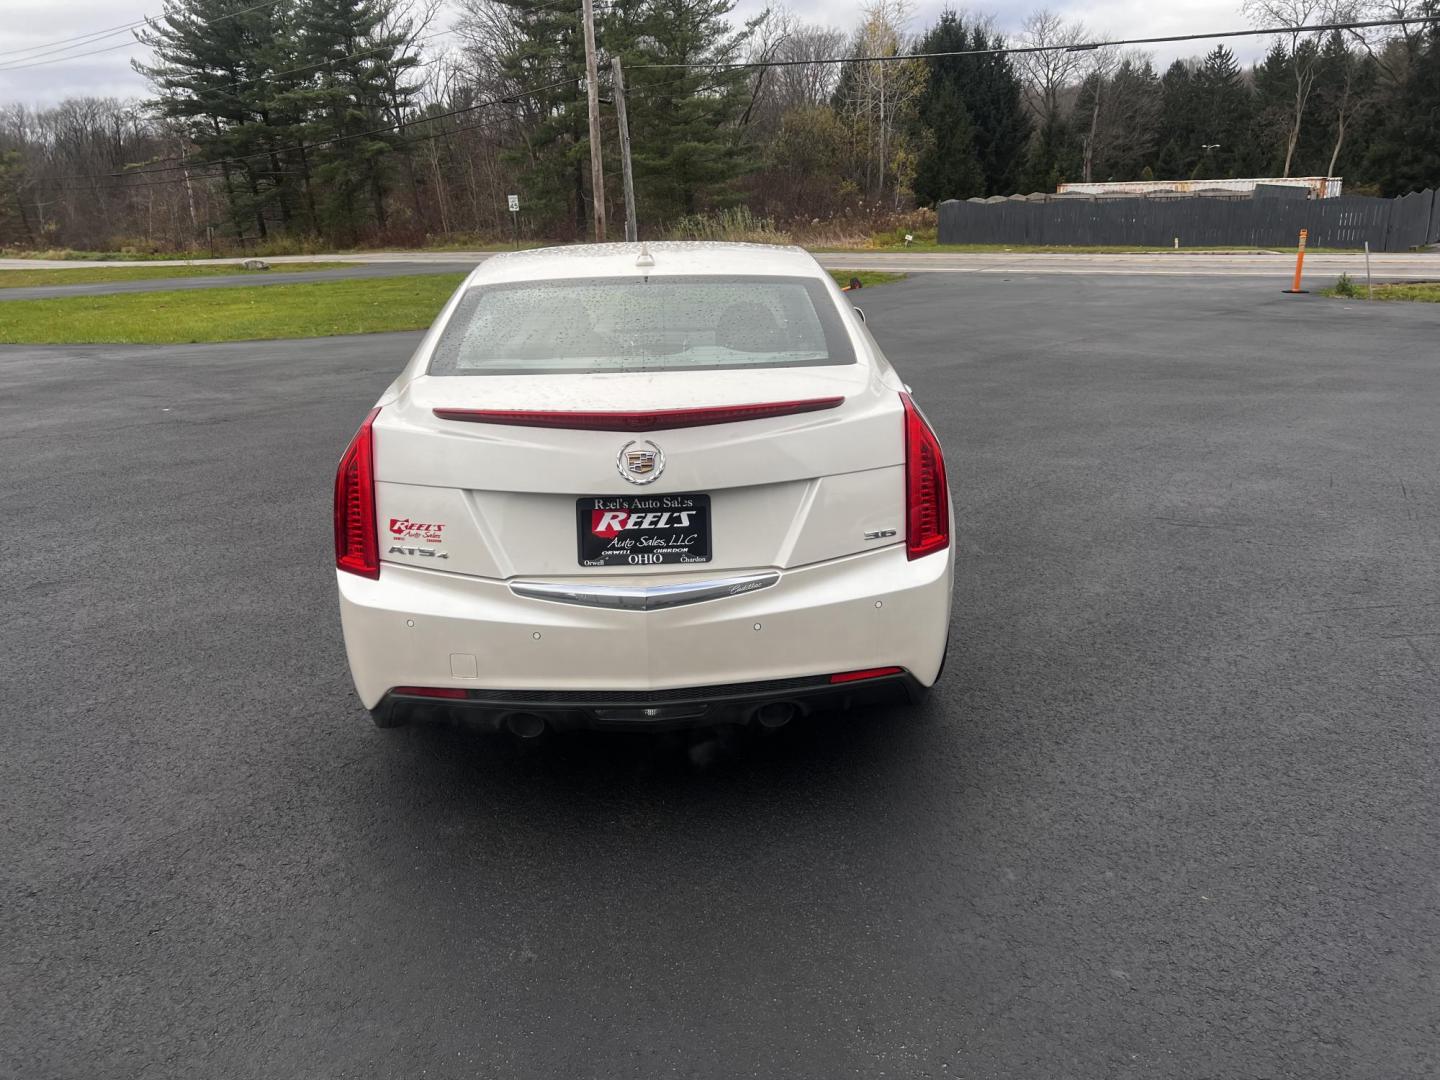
(357, 541)
(927, 501)
(660, 420)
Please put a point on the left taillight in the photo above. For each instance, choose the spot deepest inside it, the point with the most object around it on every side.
(927, 499)
(357, 541)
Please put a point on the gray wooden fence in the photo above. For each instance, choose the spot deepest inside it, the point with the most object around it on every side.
(1348, 221)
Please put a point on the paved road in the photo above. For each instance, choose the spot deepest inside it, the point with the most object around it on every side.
(222, 281)
(1322, 270)
(1171, 812)
(1276, 266)
(362, 258)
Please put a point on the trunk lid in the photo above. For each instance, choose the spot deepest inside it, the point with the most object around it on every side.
(504, 501)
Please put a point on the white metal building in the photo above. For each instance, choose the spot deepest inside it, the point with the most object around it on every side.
(1321, 187)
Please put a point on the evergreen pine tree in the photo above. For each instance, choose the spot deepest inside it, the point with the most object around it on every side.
(1406, 153)
(949, 166)
(683, 121)
(1274, 107)
(1222, 108)
(1054, 157)
(1179, 150)
(996, 103)
(213, 65)
(14, 221)
(987, 89)
(359, 87)
(1130, 112)
(545, 69)
(1340, 105)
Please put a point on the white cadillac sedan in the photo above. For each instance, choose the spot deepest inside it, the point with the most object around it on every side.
(643, 487)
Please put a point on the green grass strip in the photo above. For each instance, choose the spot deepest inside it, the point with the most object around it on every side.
(95, 275)
(1425, 292)
(240, 313)
(867, 277)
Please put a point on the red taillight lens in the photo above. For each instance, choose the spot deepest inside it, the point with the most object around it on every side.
(452, 692)
(658, 420)
(868, 673)
(927, 501)
(357, 543)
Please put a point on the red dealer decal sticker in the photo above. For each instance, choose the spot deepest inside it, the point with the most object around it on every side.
(405, 529)
(609, 523)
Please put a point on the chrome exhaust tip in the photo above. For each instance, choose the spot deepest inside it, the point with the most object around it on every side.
(775, 714)
(524, 725)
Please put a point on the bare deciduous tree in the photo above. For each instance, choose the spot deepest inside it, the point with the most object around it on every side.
(775, 91)
(1052, 64)
(1100, 68)
(808, 84)
(1304, 48)
(71, 177)
(879, 93)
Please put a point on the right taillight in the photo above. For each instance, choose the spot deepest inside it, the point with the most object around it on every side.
(927, 503)
(357, 542)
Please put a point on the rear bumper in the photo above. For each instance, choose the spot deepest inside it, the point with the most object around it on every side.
(666, 710)
(426, 628)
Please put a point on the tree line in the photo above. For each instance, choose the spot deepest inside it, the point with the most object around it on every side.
(1337, 103)
(354, 121)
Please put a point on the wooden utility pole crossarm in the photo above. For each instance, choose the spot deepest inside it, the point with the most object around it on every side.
(592, 92)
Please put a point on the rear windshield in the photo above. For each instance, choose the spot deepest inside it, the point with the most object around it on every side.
(642, 324)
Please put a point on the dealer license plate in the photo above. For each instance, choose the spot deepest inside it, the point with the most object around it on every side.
(643, 530)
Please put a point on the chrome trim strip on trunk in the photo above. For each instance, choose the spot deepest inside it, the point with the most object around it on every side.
(645, 597)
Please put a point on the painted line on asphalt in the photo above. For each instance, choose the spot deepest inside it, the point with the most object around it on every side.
(1021, 270)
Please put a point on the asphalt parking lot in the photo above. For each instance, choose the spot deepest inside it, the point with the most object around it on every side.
(1170, 813)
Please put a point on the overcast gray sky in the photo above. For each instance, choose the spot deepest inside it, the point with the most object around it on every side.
(38, 79)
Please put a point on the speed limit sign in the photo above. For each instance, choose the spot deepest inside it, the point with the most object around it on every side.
(514, 201)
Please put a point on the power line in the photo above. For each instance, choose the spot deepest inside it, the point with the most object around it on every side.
(143, 171)
(727, 65)
(260, 78)
(195, 167)
(214, 176)
(413, 43)
(23, 63)
(88, 39)
(269, 75)
(191, 167)
(1003, 50)
(365, 134)
(263, 78)
(77, 40)
(64, 59)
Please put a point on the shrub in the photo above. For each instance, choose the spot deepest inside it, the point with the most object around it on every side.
(870, 228)
(1346, 287)
(736, 225)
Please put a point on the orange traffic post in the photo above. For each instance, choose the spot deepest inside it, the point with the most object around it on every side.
(1299, 263)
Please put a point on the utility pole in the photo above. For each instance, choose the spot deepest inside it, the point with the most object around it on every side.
(592, 91)
(632, 228)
